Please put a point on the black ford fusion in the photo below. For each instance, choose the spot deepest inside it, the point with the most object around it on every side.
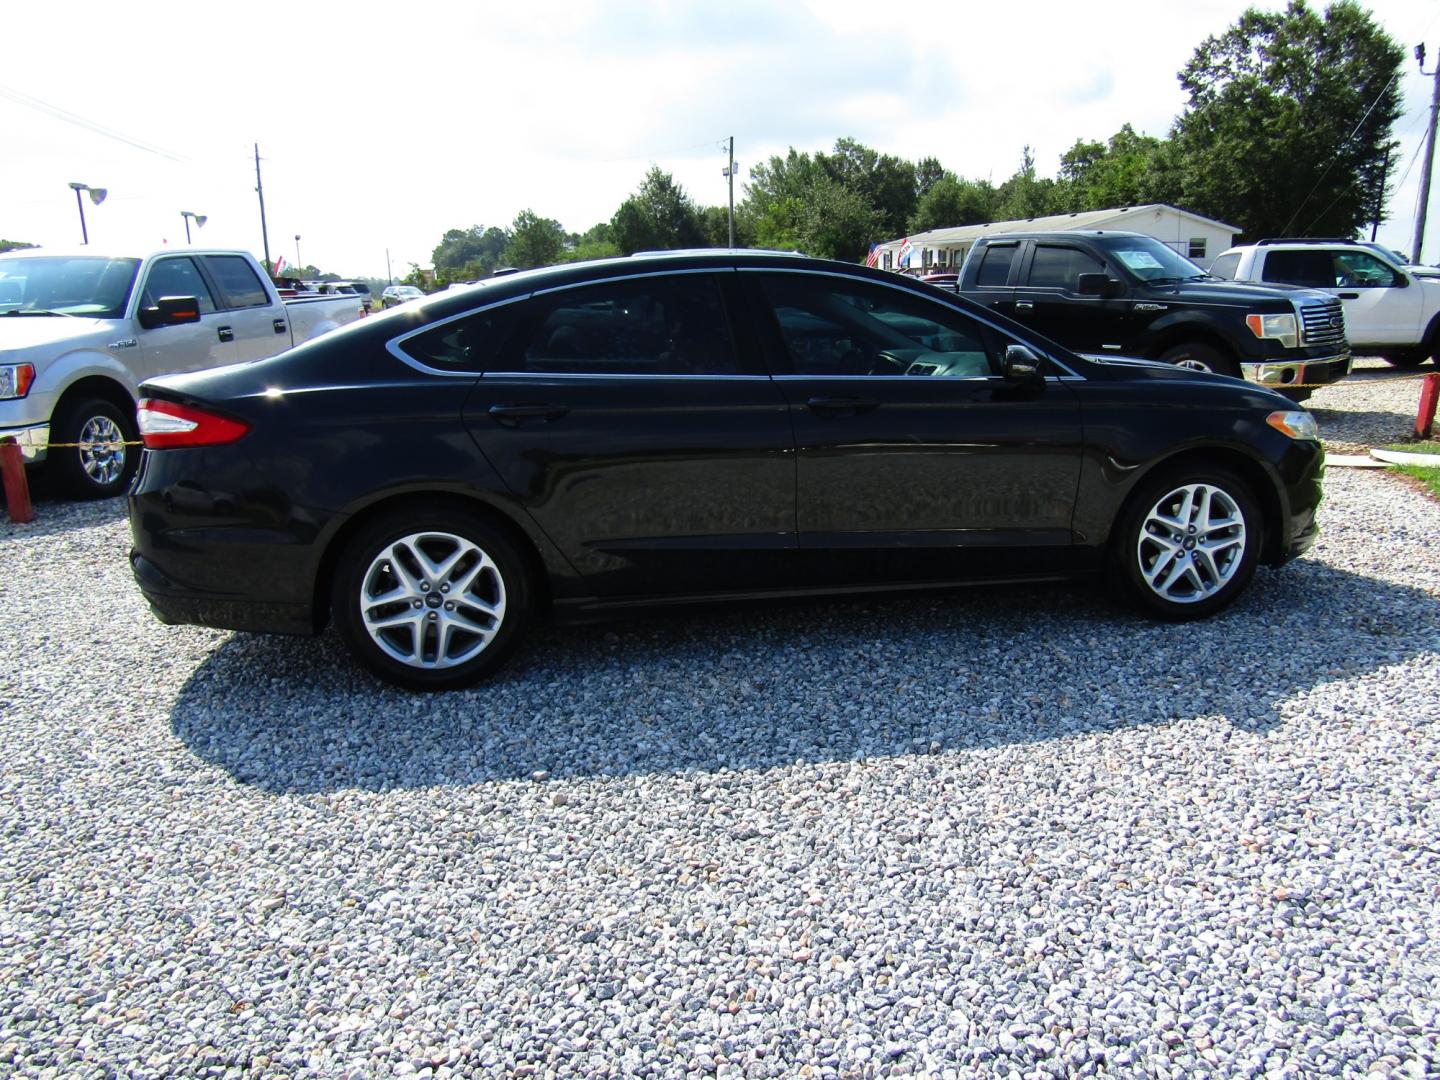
(685, 427)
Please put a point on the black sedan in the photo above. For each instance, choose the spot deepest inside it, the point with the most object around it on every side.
(691, 427)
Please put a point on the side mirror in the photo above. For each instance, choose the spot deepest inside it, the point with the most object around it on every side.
(1022, 366)
(1097, 285)
(170, 311)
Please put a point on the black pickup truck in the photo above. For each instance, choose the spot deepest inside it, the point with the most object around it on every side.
(1127, 294)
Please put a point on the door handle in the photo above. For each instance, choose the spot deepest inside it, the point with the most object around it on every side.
(226, 333)
(279, 325)
(517, 414)
(840, 406)
(1349, 295)
(1024, 305)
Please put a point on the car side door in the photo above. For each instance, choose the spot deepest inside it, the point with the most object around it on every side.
(993, 280)
(916, 458)
(639, 429)
(1048, 299)
(258, 322)
(186, 346)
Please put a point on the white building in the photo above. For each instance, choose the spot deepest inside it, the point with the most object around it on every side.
(1198, 238)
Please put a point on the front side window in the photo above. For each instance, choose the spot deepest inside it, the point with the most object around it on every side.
(673, 325)
(834, 327)
(177, 277)
(237, 281)
(1057, 267)
(1356, 269)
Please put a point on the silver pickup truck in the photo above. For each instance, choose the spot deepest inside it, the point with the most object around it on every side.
(81, 329)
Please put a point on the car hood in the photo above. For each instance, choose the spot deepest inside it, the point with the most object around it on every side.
(1135, 368)
(19, 332)
(1219, 291)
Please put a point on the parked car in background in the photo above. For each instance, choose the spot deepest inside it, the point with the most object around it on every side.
(399, 294)
(80, 329)
(1128, 294)
(949, 281)
(1390, 311)
(344, 288)
(598, 436)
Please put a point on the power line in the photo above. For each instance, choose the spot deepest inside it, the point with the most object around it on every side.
(80, 121)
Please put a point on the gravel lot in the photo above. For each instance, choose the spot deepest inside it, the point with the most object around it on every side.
(1001, 832)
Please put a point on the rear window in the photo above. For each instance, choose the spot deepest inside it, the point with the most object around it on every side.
(469, 343)
(995, 264)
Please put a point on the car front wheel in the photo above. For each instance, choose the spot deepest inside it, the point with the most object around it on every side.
(1187, 543)
(431, 601)
(1199, 356)
(95, 457)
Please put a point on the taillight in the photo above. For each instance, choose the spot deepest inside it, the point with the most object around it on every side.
(166, 425)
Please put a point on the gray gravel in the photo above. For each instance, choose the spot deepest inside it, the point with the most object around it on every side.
(1000, 833)
(1374, 406)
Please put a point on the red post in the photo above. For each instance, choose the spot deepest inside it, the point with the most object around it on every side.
(1425, 417)
(17, 489)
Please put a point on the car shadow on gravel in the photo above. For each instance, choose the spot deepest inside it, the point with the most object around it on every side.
(758, 687)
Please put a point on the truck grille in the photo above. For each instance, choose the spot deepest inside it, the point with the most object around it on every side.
(1322, 323)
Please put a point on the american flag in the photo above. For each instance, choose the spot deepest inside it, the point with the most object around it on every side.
(873, 259)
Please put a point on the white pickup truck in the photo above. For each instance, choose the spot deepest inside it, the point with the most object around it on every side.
(1391, 311)
(79, 331)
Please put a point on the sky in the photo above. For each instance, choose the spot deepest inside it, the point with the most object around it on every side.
(380, 126)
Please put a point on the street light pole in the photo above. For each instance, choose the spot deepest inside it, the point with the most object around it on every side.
(200, 220)
(299, 266)
(97, 196)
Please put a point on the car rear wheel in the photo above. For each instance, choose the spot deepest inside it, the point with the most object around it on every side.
(1199, 356)
(1187, 543)
(93, 460)
(433, 601)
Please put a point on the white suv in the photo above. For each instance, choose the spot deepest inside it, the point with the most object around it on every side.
(399, 294)
(1389, 310)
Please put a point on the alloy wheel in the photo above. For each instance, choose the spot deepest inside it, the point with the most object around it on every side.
(1191, 543)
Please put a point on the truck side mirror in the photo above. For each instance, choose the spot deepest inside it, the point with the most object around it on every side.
(1097, 285)
(170, 311)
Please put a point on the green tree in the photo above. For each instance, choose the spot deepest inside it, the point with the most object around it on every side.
(1025, 195)
(887, 184)
(468, 254)
(14, 245)
(1289, 120)
(835, 222)
(1129, 170)
(928, 173)
(658, 217)
(534, 241)
(950, 201)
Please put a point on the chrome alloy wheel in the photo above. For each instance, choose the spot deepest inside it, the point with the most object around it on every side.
(1191, 544)
(432, 600)
(1194, 365)
(102, 449)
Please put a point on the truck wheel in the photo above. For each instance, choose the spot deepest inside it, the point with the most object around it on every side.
(431, 601)
(98, 464)
(1198, 356)
(1186, 543)
(1404, 360)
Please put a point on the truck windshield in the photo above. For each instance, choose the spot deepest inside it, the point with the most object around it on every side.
(66, 285)
(1150, 260)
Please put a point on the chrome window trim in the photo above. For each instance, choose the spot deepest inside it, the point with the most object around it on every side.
(551, 375)
(1069, 374)
(393, 346)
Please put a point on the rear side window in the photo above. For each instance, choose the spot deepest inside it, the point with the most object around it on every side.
(995, 263)
(240, 284)
(649, 326)
(1225, 266)
(1314, 268)
(471, 343)
(176, 277)
(1060, 267)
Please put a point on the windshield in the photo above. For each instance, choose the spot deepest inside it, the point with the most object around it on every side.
(1150, 260)
(68, 285)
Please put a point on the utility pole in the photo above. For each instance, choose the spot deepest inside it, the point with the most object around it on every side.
(1429, 158)
(1380, 196)
(264, 231)
(389, 277)
(730, 175)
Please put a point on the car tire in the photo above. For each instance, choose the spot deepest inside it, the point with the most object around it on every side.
(1187, 543)
(1199, 356)
(431, 601)
(93, 460)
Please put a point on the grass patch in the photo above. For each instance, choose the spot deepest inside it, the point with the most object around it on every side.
(1419, 446)
(1427, 475)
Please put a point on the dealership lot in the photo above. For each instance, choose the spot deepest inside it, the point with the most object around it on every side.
(945, 835)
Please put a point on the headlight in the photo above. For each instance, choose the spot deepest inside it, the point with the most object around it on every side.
(15, 380)
(1281, 328)
(1297, 423)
